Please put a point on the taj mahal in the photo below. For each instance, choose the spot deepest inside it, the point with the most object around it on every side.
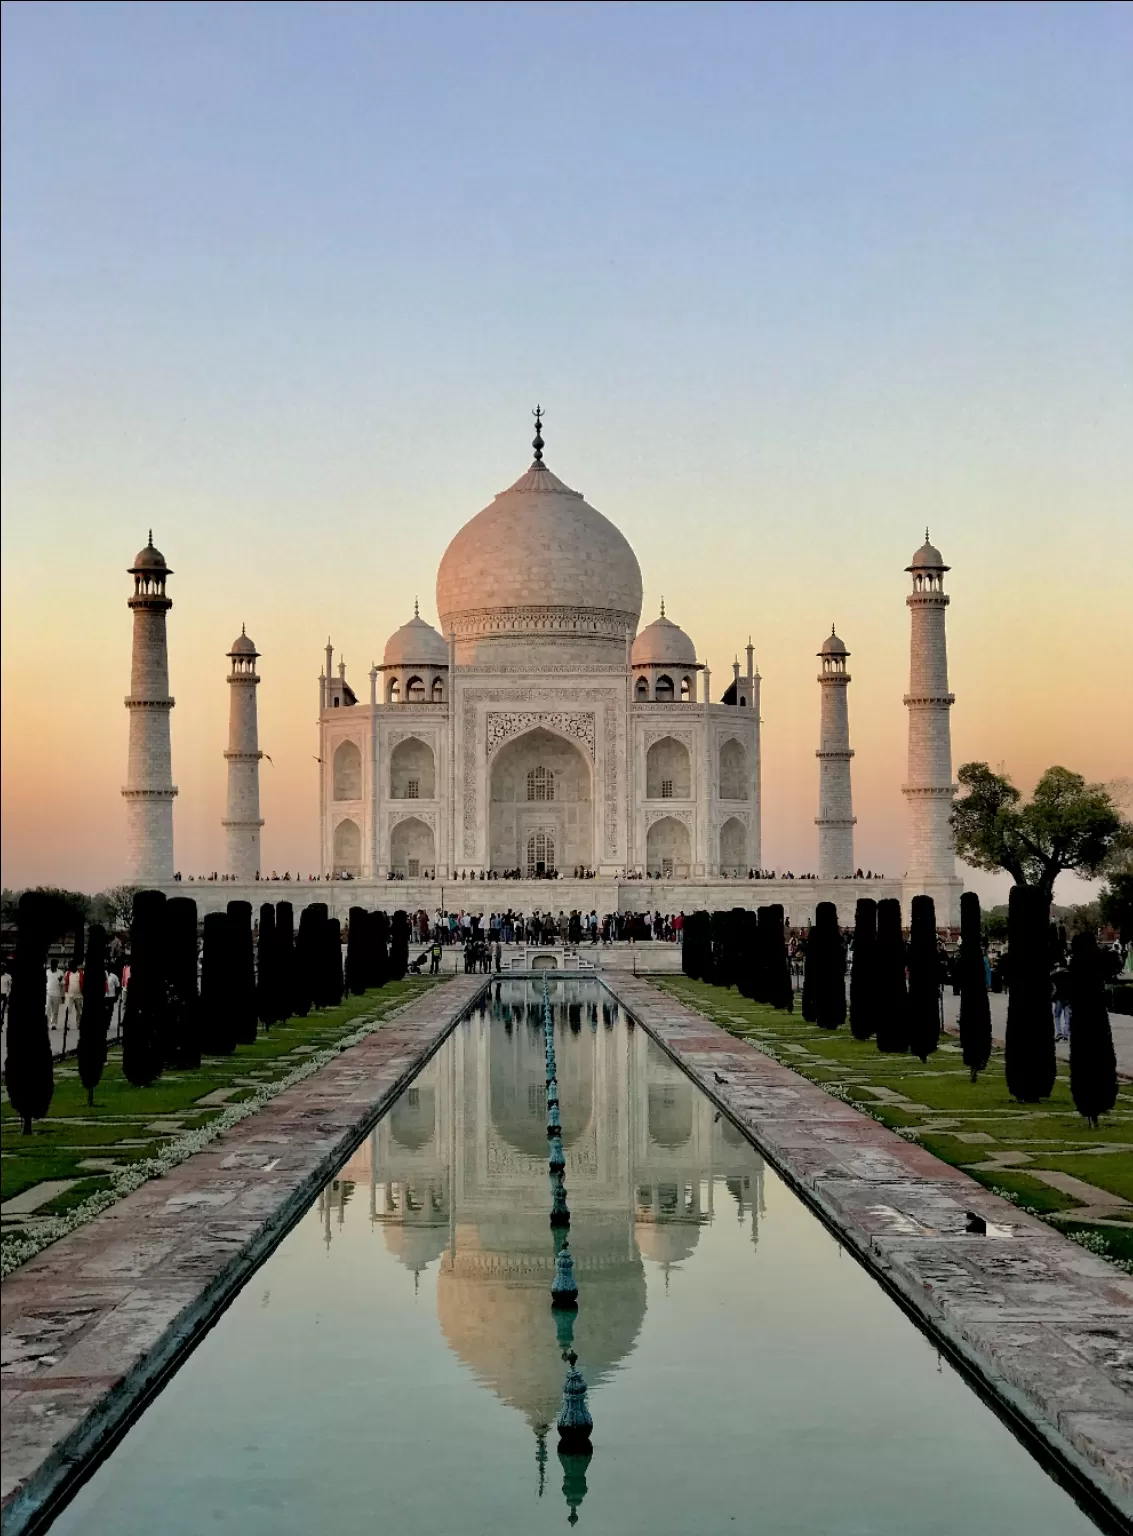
(543, 732)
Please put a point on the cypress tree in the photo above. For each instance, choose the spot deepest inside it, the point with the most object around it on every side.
(719, 924)
(1029, 1060)
(760, 959)
(29, 1072)
(748, 967)
(862, 985)
(379, 927)
(243, 962)
(332, 939)
(696, 948)
(398, 946)
(217, 1020)
(810, 976)
(924, 979)
(975, 1010)
(183, 1041)
(830, 973)
(145, 1025)
(267, 969)
(780, 985)
(95, 1018)
(892, 1007)
(357, 934)
(285, 959)
(311, 920)
(322, 988)
(1093, 1065)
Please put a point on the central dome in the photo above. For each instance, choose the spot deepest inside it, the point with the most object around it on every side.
(539, 567)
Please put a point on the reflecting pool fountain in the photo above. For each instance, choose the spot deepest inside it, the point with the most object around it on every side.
(397, 1364)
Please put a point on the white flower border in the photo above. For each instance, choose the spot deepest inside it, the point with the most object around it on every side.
(123, 1181)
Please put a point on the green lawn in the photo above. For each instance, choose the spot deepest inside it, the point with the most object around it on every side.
(127, 1124)
(961, 1122)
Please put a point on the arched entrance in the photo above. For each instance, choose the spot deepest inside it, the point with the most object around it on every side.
(412, 848)
(541, 811)
(347, 848)
(667, 848)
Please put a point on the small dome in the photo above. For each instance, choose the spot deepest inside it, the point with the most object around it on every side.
(663, 644)
(415, 644)
(832, 646)
(150, 559)
(927, 558)
(242, 646)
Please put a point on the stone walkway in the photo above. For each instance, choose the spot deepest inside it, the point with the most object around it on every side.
(1046, 1326)
(91, 1325)
(1121, 1026)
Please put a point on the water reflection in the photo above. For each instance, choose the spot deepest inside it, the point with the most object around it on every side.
(457, 1174)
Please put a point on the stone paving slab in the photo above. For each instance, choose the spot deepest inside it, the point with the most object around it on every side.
(92, 1324)
(1045, 1326)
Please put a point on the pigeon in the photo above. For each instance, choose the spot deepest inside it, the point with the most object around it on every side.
(976, 1224)
(718, 1078)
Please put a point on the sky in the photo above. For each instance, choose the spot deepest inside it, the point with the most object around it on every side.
(283, 282)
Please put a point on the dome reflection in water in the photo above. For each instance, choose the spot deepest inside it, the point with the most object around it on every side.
(396, 1365)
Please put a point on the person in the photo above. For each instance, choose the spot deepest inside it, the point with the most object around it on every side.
(497, 956)
(5, 992)
(113, 992)
(73, 1000)
(54, 995)
(1060, 982)
(435, 957)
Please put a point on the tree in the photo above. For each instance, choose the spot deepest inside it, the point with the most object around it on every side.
(183, 1041)
(780, 986)
(285, 958)
(117, 906)
(356, 946)
(810, 976)
(1115, 904)
(1093, 1065)
(243, 963)
(332, 961)
(975, 1011)
(144, 1024)
(267, 969)
(924, 979)
(398, 946)
(95, 1018)
(1067, 824)
(863, 985)
(1029, 1059)
(696, 947)
(311, 920)
(29, 1072)
(218, 1032)
(830, 968)
(378, 924)
(892, 995)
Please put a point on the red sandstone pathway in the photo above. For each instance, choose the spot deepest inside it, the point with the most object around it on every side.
(1048, 1326)
(91, 1322)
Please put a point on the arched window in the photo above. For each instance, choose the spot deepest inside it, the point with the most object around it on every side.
(394, 691)
(540, 854)
(438, 691)
(540, 784)
(415, 690)
(347, 772)
(665, 691)
(686, 690)
(641, 691)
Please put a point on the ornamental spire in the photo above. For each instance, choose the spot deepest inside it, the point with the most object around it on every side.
(416, 609)
(537, 441)
(662, 607)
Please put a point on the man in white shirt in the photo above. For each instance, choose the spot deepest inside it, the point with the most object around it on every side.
(54, 995)
(73, 999)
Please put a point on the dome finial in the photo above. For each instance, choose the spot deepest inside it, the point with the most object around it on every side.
(244, 630)
(662, 607)
(416, 609)
(537, 441)
(150, 545)
(926, 537)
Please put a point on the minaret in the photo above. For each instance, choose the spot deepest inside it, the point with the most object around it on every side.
(149, 786)
(243, 822)
(929, 788)
(835, 819)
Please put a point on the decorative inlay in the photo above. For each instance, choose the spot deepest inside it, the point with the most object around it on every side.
(502, 726)
(683, 816)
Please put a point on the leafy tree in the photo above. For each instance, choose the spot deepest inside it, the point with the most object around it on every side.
(1067, 824)
(975, 1011)
(95, 1018)
(144, 1024)
(183, 1040)
(993, 924)
(218, 1024)
(1029, 1058)
(243, 974)
(29, 1073)
(1115, 904)
(1093, 1065)
(863, 984)
(924, 978)
(892, 994)
(115, 907)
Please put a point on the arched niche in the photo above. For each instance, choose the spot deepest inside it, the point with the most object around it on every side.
(347, 771)
(733, 847)
(667, 848)
(664, 691)
(348, 848)
(412, 771)
(733, 771)
(668, 770)
(670, 1113)
(412, 848)
(541, 761)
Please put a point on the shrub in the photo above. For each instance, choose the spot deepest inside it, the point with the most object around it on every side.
(830, 968)
(243, 963)
(332, 961)
(145, 1022)
(892, 996)
(183, 1039)
(924, 979)
(285, 959)
(29, 1072)
(1029, 1059)
(863, 968)
(217, 1021)
(780, 986)
(267, 969)
(307, 943)
(357, 943)
(1093, 1065)
(378, 924)
(95, 1018)
(975, 1010)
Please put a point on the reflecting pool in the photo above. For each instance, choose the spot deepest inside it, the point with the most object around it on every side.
(396, 1366)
